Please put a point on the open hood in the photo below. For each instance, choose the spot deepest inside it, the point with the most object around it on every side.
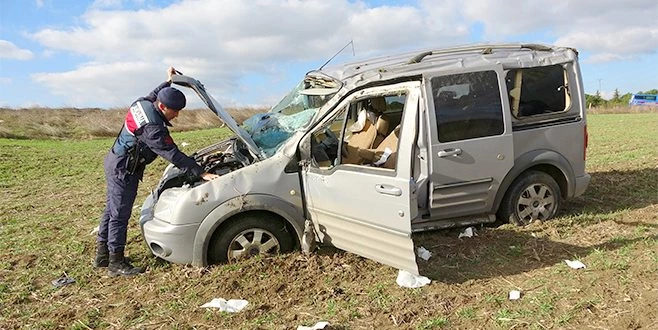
(198, 87)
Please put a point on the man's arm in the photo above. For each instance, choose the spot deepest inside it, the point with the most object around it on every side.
(154, 94)
(159, 141)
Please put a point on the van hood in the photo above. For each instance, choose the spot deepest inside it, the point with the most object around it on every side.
(213, 105)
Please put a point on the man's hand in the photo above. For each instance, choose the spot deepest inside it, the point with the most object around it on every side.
(170, 72)
(209, 176)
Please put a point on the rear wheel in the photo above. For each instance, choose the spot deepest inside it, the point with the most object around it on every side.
(249, 235)
(535, 196)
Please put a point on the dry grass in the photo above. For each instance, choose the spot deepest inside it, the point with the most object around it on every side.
(53, 194)
(623, 109)
(65, 123)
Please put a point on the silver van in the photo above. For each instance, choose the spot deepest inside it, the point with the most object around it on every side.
(373, 151)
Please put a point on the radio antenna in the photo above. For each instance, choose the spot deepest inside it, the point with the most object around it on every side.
(342, 49)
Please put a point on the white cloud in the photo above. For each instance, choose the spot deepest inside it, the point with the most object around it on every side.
(5, 80)
(220, 41)
(610, 29)
(11, 51)
(39, 3)
(112, 83)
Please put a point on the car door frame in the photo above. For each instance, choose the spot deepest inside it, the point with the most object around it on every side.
(372, 217)
(465, 194)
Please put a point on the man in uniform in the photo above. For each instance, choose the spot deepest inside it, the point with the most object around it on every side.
(143, 137)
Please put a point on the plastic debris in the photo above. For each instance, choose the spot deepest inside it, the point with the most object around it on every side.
(575, 264)
(514, 295)
(230, 306)
(468, 232)
(63, 281)
(423, 253)
(94, 231)
(308, 239)
(319, 325)
(409, 280)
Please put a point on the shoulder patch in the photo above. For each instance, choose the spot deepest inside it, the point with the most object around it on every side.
(139, 115)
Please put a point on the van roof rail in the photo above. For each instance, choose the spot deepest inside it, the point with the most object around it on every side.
(484, 49)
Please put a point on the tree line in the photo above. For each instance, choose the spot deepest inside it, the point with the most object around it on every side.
(617, 99)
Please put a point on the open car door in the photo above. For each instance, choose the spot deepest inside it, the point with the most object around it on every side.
(361, 207)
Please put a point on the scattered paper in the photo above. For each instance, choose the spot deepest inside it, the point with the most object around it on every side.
(230, 306)
(184, 144)
(384, 157)
(63, 281)
(423, 253)
(319, 325)
(575, 264)
(94, 231)
(514, 295)
(409, 280)
(468, 232)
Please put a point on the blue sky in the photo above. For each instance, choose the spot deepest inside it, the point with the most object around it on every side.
(106, 53)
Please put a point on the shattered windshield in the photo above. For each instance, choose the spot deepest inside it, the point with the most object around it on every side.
(294, 112)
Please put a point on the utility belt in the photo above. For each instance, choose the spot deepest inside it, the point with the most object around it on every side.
(135, 160)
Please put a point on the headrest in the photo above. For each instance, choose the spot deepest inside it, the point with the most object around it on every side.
(378, 104)
(382, 125)
(361, 120)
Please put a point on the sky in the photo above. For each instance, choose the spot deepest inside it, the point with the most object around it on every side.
(107, 53)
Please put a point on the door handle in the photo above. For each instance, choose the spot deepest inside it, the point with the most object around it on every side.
(388, 190)
(450, 152)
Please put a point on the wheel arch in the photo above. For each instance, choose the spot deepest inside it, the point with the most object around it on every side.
(547, 161)
(223, 214)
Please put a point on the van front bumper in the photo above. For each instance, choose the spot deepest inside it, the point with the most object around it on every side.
(169, 242)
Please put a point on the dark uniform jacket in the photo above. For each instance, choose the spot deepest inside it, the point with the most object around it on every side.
(145, 136)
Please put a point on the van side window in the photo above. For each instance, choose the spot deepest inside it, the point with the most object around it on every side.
(538, 90)
(467, 106)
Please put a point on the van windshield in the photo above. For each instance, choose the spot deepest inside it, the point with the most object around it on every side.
(294, 112)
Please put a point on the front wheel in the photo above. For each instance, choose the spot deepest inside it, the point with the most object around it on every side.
(247, 236)
(535, 196)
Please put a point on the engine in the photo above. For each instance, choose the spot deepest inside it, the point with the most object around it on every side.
(221, 158)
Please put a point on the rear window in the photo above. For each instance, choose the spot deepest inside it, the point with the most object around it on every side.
(538, 91)
(467, 106)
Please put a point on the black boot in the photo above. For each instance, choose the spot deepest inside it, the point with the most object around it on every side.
(119, 266)
(102, 258)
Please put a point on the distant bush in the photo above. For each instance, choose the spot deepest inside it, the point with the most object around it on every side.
(67, 123)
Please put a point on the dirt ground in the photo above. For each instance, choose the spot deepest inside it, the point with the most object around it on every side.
(612, 229)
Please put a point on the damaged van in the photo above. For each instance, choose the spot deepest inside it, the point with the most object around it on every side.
(373, 151)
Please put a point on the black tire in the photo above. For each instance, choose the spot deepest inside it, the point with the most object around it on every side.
(534, 196)
(241, 234)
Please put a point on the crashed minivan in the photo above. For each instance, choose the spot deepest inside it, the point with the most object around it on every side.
(373, 151)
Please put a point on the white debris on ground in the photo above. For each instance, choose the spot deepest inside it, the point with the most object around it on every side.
(230, 306)
(308, 239)
(575, 264)
(94, 231)
(423, 253)
(409, 280)
(468, 232)
(514, 295)
(184, 144)
(319, 325)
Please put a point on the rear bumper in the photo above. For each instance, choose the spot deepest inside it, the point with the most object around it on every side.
(169, 242)
(581, 184)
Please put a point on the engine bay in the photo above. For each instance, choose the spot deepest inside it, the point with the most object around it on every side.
(221, 158)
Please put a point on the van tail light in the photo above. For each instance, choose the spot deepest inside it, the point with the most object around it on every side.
(586, 141)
